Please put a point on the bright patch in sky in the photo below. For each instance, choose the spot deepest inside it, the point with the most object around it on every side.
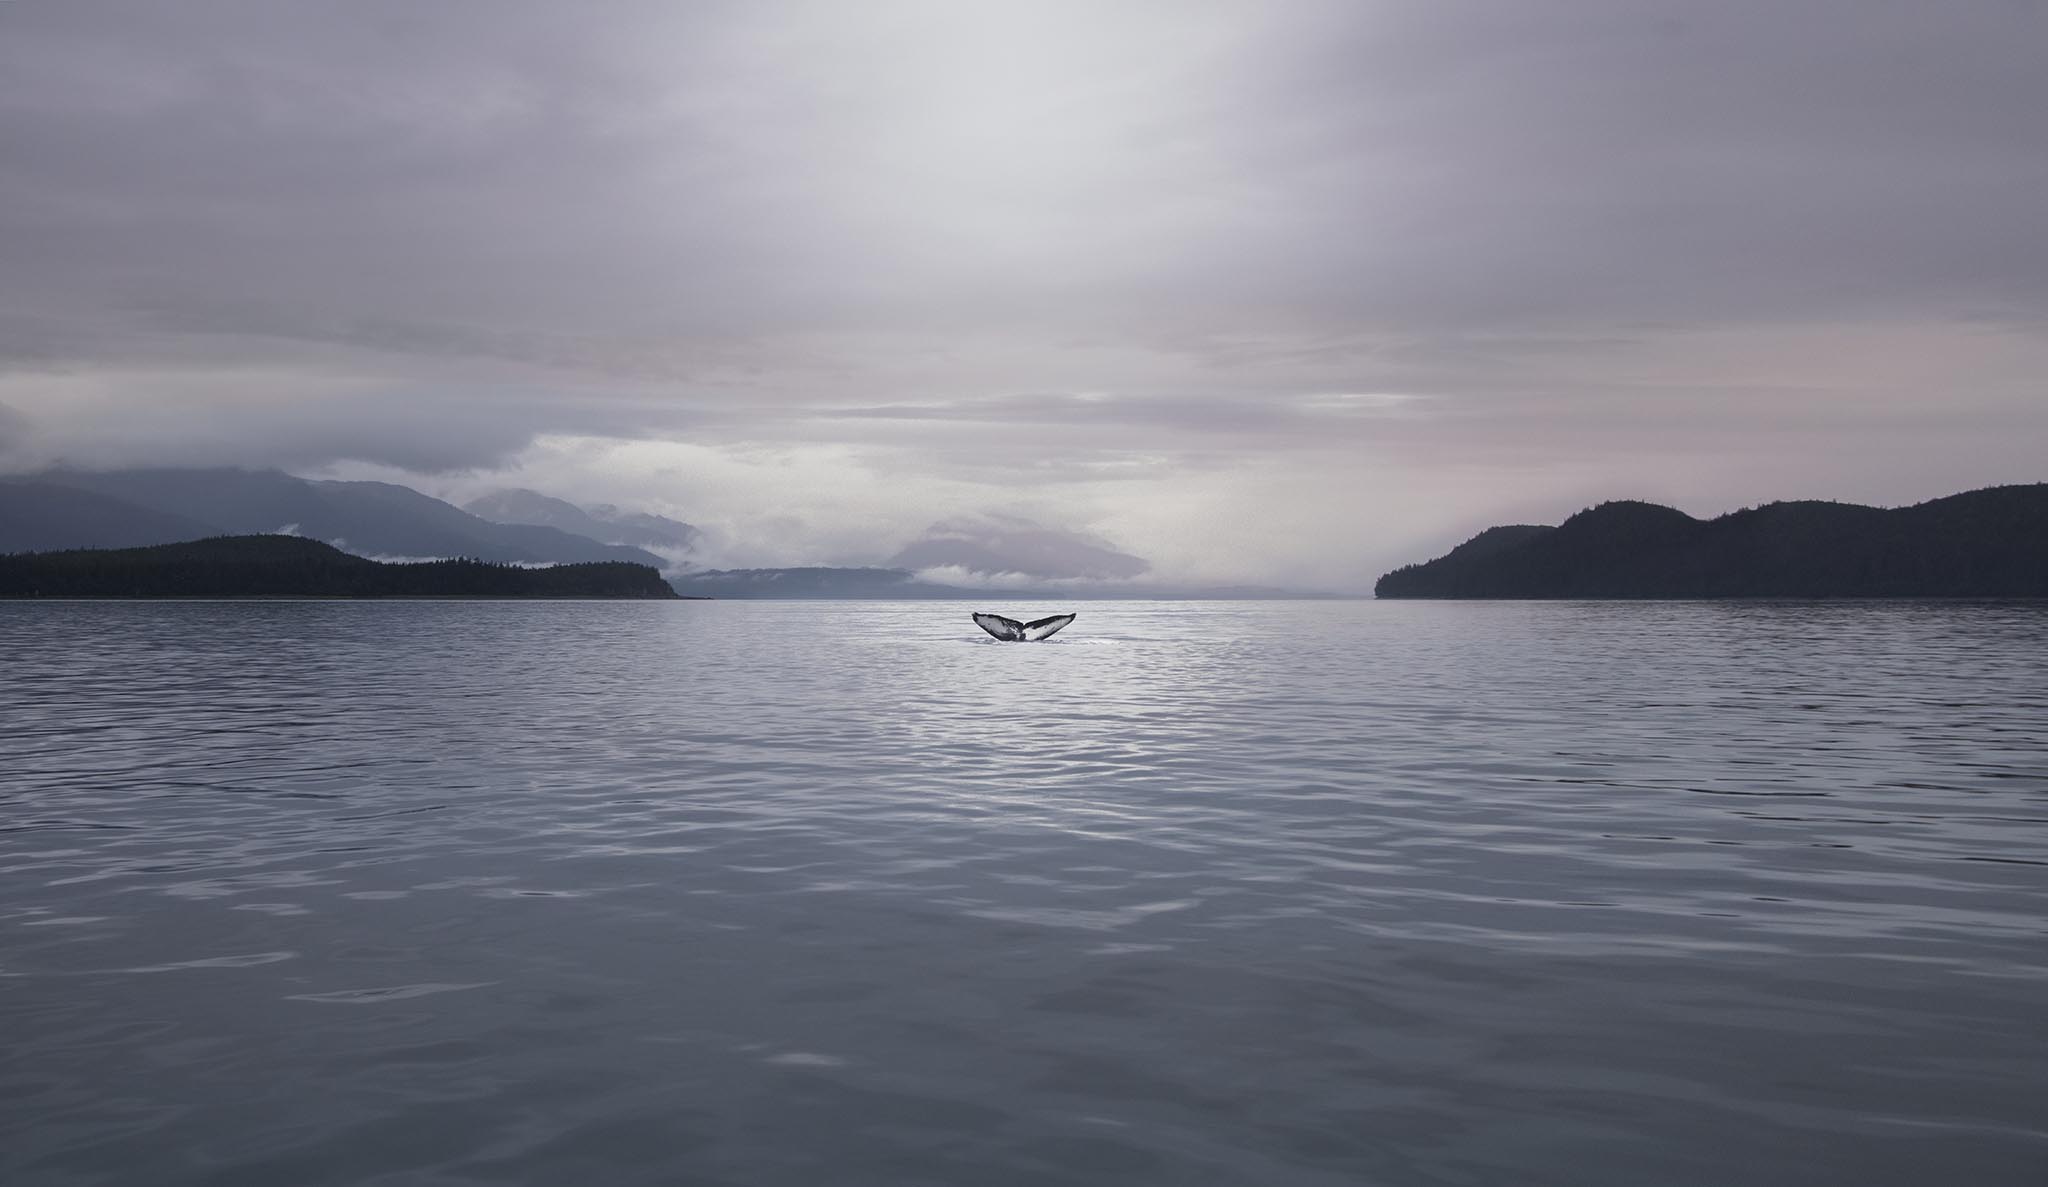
(1285, 294)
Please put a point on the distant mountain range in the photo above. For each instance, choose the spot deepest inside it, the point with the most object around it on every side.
(903, 584)
(119, 509)
(995, 546)
(810, 582)
(1984, 543)
(602, 521)
(60, 509)
(294, 567)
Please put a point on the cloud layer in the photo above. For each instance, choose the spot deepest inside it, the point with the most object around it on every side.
(1256, 292)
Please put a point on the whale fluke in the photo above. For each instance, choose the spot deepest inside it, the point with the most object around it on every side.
(1009, 630)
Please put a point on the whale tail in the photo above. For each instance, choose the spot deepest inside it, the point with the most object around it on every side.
(1009, 630)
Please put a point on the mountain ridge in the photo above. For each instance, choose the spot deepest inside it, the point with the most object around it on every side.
(1991, 542)
(602, 521)
(893, 584)
(166, 505)
(295, 567)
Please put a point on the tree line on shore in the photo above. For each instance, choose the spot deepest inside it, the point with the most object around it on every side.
(292, 566)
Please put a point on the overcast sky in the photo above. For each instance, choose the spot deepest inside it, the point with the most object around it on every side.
(1278, 292)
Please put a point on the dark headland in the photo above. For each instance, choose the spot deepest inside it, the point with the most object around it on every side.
(1990, 543)
(294, 567)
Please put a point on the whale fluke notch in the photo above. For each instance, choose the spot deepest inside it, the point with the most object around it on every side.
(1009, 630)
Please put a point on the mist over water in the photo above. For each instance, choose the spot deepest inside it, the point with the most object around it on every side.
(800, 893)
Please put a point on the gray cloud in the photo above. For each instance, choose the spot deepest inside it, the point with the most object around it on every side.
(1526, 251)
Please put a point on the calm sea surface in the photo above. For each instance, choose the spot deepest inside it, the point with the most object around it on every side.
(300, 893)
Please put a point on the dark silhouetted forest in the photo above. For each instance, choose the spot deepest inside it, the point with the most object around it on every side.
(1990, 543)
(294, 567)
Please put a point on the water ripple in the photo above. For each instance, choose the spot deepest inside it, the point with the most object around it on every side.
(1212, 893)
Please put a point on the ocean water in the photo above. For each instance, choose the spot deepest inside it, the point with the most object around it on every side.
(846, 893)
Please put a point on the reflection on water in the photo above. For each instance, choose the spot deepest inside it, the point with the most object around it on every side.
(799, 893)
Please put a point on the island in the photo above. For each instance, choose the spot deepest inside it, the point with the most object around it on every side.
(1990, 543)
(271, 566)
